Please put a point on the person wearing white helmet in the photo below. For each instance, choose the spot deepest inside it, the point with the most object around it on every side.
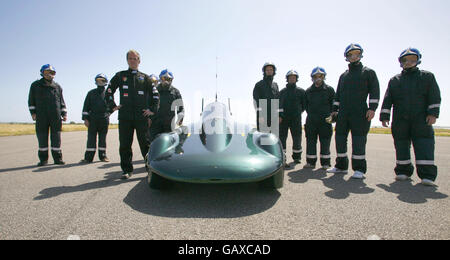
(96, 119)
(415, 97)
(356, 100)
(48, 108)
(154, 79)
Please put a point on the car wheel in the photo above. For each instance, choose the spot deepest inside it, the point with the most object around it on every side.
(274, 182)
(157, 182)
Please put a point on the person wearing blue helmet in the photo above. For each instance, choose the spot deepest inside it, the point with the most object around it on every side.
(292, 105)
(48, 108)
(415, 96)
(356, 100)
(96, 119)
(264, 92)
(138, 104)
(319, 105)
(170, 98)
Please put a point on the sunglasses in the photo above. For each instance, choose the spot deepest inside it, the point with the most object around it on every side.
(406, 60)
(317, 76)
(353, 56)
(50, 72)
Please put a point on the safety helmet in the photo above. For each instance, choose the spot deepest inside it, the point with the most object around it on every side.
(166, 73)
(292, 72)
(411, 51)
(47, 67)
(352, 47)
(153, 76)
(101, 76)
(318, 70)
(269, 64)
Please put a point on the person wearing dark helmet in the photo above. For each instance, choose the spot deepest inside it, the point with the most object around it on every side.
(415, 96)
(264, 92)
(96, 119)
(354, 113)
(137, 105)
(292, 105)
(319, 105)
(48, 108)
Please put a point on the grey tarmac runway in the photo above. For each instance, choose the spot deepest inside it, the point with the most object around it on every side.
(91, 201)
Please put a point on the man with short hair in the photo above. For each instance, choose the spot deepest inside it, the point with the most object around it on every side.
(137, 104)
(48, 109)
(416, 99)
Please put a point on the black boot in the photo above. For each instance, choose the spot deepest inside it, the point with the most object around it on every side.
(59, 162)
(42, 163)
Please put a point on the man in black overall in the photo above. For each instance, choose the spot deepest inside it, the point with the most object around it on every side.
(137, 105)
(48, 109)
(319, 105)
(171, 105)
(355, 86)
(416, 99)
(292, 105)
(265, 91)
(96, 119)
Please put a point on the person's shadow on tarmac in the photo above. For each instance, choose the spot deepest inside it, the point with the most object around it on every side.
(340, 188)
(50, 167)
(414, 194)
(110, 179)
(305, 174)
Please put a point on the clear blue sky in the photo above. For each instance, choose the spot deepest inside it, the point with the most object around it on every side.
(84, 38)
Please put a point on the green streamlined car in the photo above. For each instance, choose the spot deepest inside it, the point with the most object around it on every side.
(221, 152)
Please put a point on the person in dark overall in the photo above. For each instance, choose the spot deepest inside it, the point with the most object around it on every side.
(292, 105)
(264, 92)
(355, 86)
(155, 81)
(319, 105)
(96, 119)
(48, 109)
(137, 105)
(171, 110)
(415, 96)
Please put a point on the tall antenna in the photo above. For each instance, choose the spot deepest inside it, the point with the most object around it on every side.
(217, 62)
